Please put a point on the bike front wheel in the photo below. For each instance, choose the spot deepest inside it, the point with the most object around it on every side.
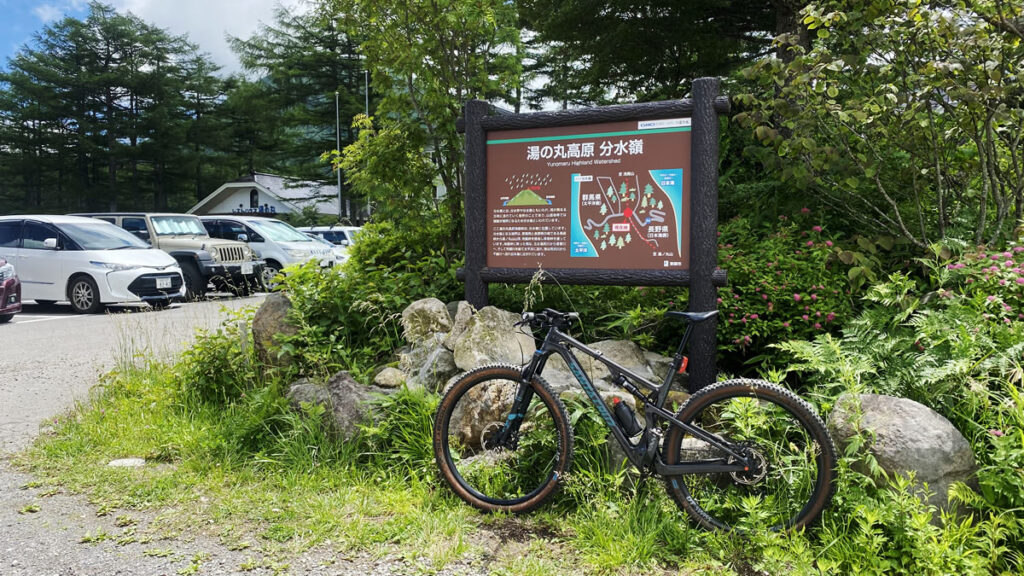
(791, 477)
(495, 457)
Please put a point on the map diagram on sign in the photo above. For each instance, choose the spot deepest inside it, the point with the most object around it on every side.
(628, 214)
(525, 188)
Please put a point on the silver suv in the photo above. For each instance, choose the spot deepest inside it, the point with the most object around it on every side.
(227, 264)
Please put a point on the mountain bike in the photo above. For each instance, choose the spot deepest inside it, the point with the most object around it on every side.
(738, 455)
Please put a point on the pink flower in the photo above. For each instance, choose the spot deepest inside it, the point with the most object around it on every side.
(764, 296)
(817, 326)
(996, 432)
(810, 242)
(816, 228)
(1018, 249)
(814, 296)
(1020, 280)
(786, 324)
(830, 317)
(805, 317)
(1002, 282)
(1008, 263)
(753, 316)
(796, 297)
(991, 298)
(828, 243)
(970, 280)
(719, 300)
(805, 210)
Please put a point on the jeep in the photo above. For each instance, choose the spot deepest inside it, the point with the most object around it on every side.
(227, 264)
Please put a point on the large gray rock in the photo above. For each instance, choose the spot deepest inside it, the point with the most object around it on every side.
(460, 321)
(346, 400)
(437, 368)
(490, 337)
(428, 364)
(269, 325)
(907, 437)
(424, 318)
(624, 352)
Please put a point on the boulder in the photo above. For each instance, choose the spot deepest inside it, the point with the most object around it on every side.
(624, 352)
(490, 337)
(346, 400)
(437, 368)
(268, 326)
(428, 364)
(390, 377)
(424, 318)
(460, 321)
(907, 437)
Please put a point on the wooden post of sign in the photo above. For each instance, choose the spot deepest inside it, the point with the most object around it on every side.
(703, 229)
(476, 208)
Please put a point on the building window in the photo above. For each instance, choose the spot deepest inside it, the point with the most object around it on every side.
(254, 198)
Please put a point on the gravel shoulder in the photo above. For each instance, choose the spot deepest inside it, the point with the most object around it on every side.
(49, 364)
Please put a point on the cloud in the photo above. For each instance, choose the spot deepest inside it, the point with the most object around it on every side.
(48, 12)
(207, 23)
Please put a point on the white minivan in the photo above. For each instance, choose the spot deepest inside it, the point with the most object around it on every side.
(275, 242)
(87, 262)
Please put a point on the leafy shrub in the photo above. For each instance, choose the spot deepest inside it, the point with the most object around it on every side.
(350, 320)
(222, 364)
(952, 341)
(784, 283)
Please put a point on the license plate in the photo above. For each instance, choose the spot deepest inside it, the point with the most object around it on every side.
(247, 268)
(163, 282)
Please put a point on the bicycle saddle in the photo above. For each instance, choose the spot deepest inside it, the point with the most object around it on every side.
(692, 316)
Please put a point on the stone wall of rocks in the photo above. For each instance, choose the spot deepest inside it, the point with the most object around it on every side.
(446, 340)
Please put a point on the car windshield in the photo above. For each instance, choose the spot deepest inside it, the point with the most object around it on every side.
(101, 236)
(279, 231)
(170, 225)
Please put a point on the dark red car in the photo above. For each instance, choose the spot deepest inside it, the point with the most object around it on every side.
(10, 291)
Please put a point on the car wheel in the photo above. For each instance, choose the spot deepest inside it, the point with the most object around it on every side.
(5, 318)
(195, 284)
(270, 270)
(84, 295)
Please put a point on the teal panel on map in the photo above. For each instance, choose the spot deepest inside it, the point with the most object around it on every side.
(580, 245)
(671, 183)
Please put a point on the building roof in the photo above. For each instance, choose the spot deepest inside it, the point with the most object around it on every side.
(297, 194)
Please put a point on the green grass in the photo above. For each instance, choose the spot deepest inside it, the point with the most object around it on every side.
(262, 478)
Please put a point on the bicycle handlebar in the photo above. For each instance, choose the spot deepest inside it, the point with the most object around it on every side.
(549, 318)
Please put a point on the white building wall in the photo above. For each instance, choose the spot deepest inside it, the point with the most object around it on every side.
(239, 201)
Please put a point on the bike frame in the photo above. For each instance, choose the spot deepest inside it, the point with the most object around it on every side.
(645, 452)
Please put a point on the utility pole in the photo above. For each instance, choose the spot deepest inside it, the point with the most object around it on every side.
(337, 132)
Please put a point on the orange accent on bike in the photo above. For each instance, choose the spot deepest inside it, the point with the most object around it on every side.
(682, 367)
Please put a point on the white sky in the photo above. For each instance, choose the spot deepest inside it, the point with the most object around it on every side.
(206, 22)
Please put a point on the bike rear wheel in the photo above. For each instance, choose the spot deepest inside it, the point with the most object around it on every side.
(492, 466)
(791, 480)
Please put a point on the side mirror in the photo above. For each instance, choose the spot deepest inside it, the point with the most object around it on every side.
(343, 243)
(50, 243)
(243, 238)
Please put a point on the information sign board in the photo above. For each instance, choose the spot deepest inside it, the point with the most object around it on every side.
(597, 196)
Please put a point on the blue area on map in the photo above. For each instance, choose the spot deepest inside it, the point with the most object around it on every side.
(671, 183)
(580, 245)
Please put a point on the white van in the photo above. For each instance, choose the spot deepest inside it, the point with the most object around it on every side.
(275, 242)
(87, 262)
